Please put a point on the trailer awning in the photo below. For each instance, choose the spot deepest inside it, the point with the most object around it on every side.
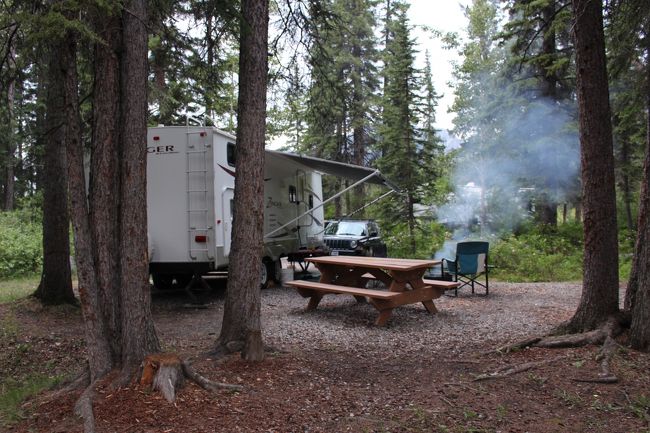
(340, 169)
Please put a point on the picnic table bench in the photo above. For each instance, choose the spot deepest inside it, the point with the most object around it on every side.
(403, 277)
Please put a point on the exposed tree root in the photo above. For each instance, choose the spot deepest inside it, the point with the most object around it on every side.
(604, 335)
(509, 371)
(205, 383)
(223, 350)
(84, 408)
(610, 346)
(516, 346)
(79, 382)
(166, 372)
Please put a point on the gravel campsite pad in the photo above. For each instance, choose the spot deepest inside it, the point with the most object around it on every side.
(332, 370)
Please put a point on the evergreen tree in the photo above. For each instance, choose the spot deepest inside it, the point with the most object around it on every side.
(599, 298)
(407, 151)
(542, 60)
(482, 100)
(341, 96)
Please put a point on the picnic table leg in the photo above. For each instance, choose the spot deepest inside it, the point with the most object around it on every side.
(430, 306)
(383, 317)
(314, 300)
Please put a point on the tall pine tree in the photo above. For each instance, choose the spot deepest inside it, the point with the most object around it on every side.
(407, 151)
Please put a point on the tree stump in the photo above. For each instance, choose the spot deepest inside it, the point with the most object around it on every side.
(166, 372)
(163, 372)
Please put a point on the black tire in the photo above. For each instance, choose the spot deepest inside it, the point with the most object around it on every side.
(183, 280)
(270, 272)
(163, 281)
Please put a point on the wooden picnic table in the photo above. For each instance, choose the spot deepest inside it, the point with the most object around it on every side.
(349, 275)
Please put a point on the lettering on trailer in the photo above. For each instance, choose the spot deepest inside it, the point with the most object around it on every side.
(272, 203)
(161, 150)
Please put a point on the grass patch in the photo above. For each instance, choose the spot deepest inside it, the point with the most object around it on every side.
(12, 290)
(13, 393)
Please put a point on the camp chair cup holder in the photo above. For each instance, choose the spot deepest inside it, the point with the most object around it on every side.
(469, 267)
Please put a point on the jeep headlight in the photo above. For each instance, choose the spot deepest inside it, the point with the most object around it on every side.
(353, 244)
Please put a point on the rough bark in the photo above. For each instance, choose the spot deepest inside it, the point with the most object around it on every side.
(56, 279)
(104, 174)
(96, 335)
(625, 184)
(10, 161)
(599, 298)
(637, 298)
(241, 319)
(138, 334)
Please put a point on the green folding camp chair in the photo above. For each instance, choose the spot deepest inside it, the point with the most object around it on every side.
(471, 262)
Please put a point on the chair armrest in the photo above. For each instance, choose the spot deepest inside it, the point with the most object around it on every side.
(451, 266)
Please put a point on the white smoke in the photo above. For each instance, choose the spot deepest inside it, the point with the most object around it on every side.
(533, 150)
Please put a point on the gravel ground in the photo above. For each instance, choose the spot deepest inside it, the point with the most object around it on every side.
(510, 312)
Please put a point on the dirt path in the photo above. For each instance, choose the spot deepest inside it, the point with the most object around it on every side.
(335, 372)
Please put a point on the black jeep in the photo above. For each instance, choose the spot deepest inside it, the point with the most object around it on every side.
(354, 237)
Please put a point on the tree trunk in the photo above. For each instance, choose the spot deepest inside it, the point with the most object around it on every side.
(56, 280)
(547, 210)
(241, 320)
(625, 183)
(410, 213)
(600, 279)
(104, 174)
(547, 206)
(138, 334)
(100, 359)
(578, 209)
(358, 127)
(10, 162)
(637, 297)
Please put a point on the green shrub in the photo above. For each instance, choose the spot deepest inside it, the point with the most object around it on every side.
(21, 249)
(534, 257)
(429, 237)
(543, 253)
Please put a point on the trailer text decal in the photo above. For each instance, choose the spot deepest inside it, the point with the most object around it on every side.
(159, 150)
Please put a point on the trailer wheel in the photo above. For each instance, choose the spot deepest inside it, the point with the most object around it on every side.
(269, 272)
(163, 281)
(182, 280)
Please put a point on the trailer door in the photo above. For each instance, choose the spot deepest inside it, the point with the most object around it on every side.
(227, 202)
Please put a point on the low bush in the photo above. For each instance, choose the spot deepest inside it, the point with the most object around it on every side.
(21, 249)
(429, 237)
(542, 253)
(536, 257)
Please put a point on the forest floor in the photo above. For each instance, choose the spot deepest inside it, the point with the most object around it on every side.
(334, 371)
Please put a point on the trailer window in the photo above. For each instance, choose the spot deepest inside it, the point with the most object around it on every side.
(292, 194)
(230, 154)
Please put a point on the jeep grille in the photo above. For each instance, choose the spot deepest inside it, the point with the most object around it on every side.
(338, 244)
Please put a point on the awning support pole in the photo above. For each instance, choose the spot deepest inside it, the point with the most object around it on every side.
(338, 194)
(371, 203)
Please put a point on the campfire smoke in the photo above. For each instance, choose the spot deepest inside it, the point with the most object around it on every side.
(533, 153)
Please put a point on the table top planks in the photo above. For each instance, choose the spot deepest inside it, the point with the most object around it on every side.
(375, 262)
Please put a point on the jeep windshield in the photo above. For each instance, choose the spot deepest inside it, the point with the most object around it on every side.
(346, 228)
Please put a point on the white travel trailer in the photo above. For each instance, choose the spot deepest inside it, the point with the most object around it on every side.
(190, 191)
